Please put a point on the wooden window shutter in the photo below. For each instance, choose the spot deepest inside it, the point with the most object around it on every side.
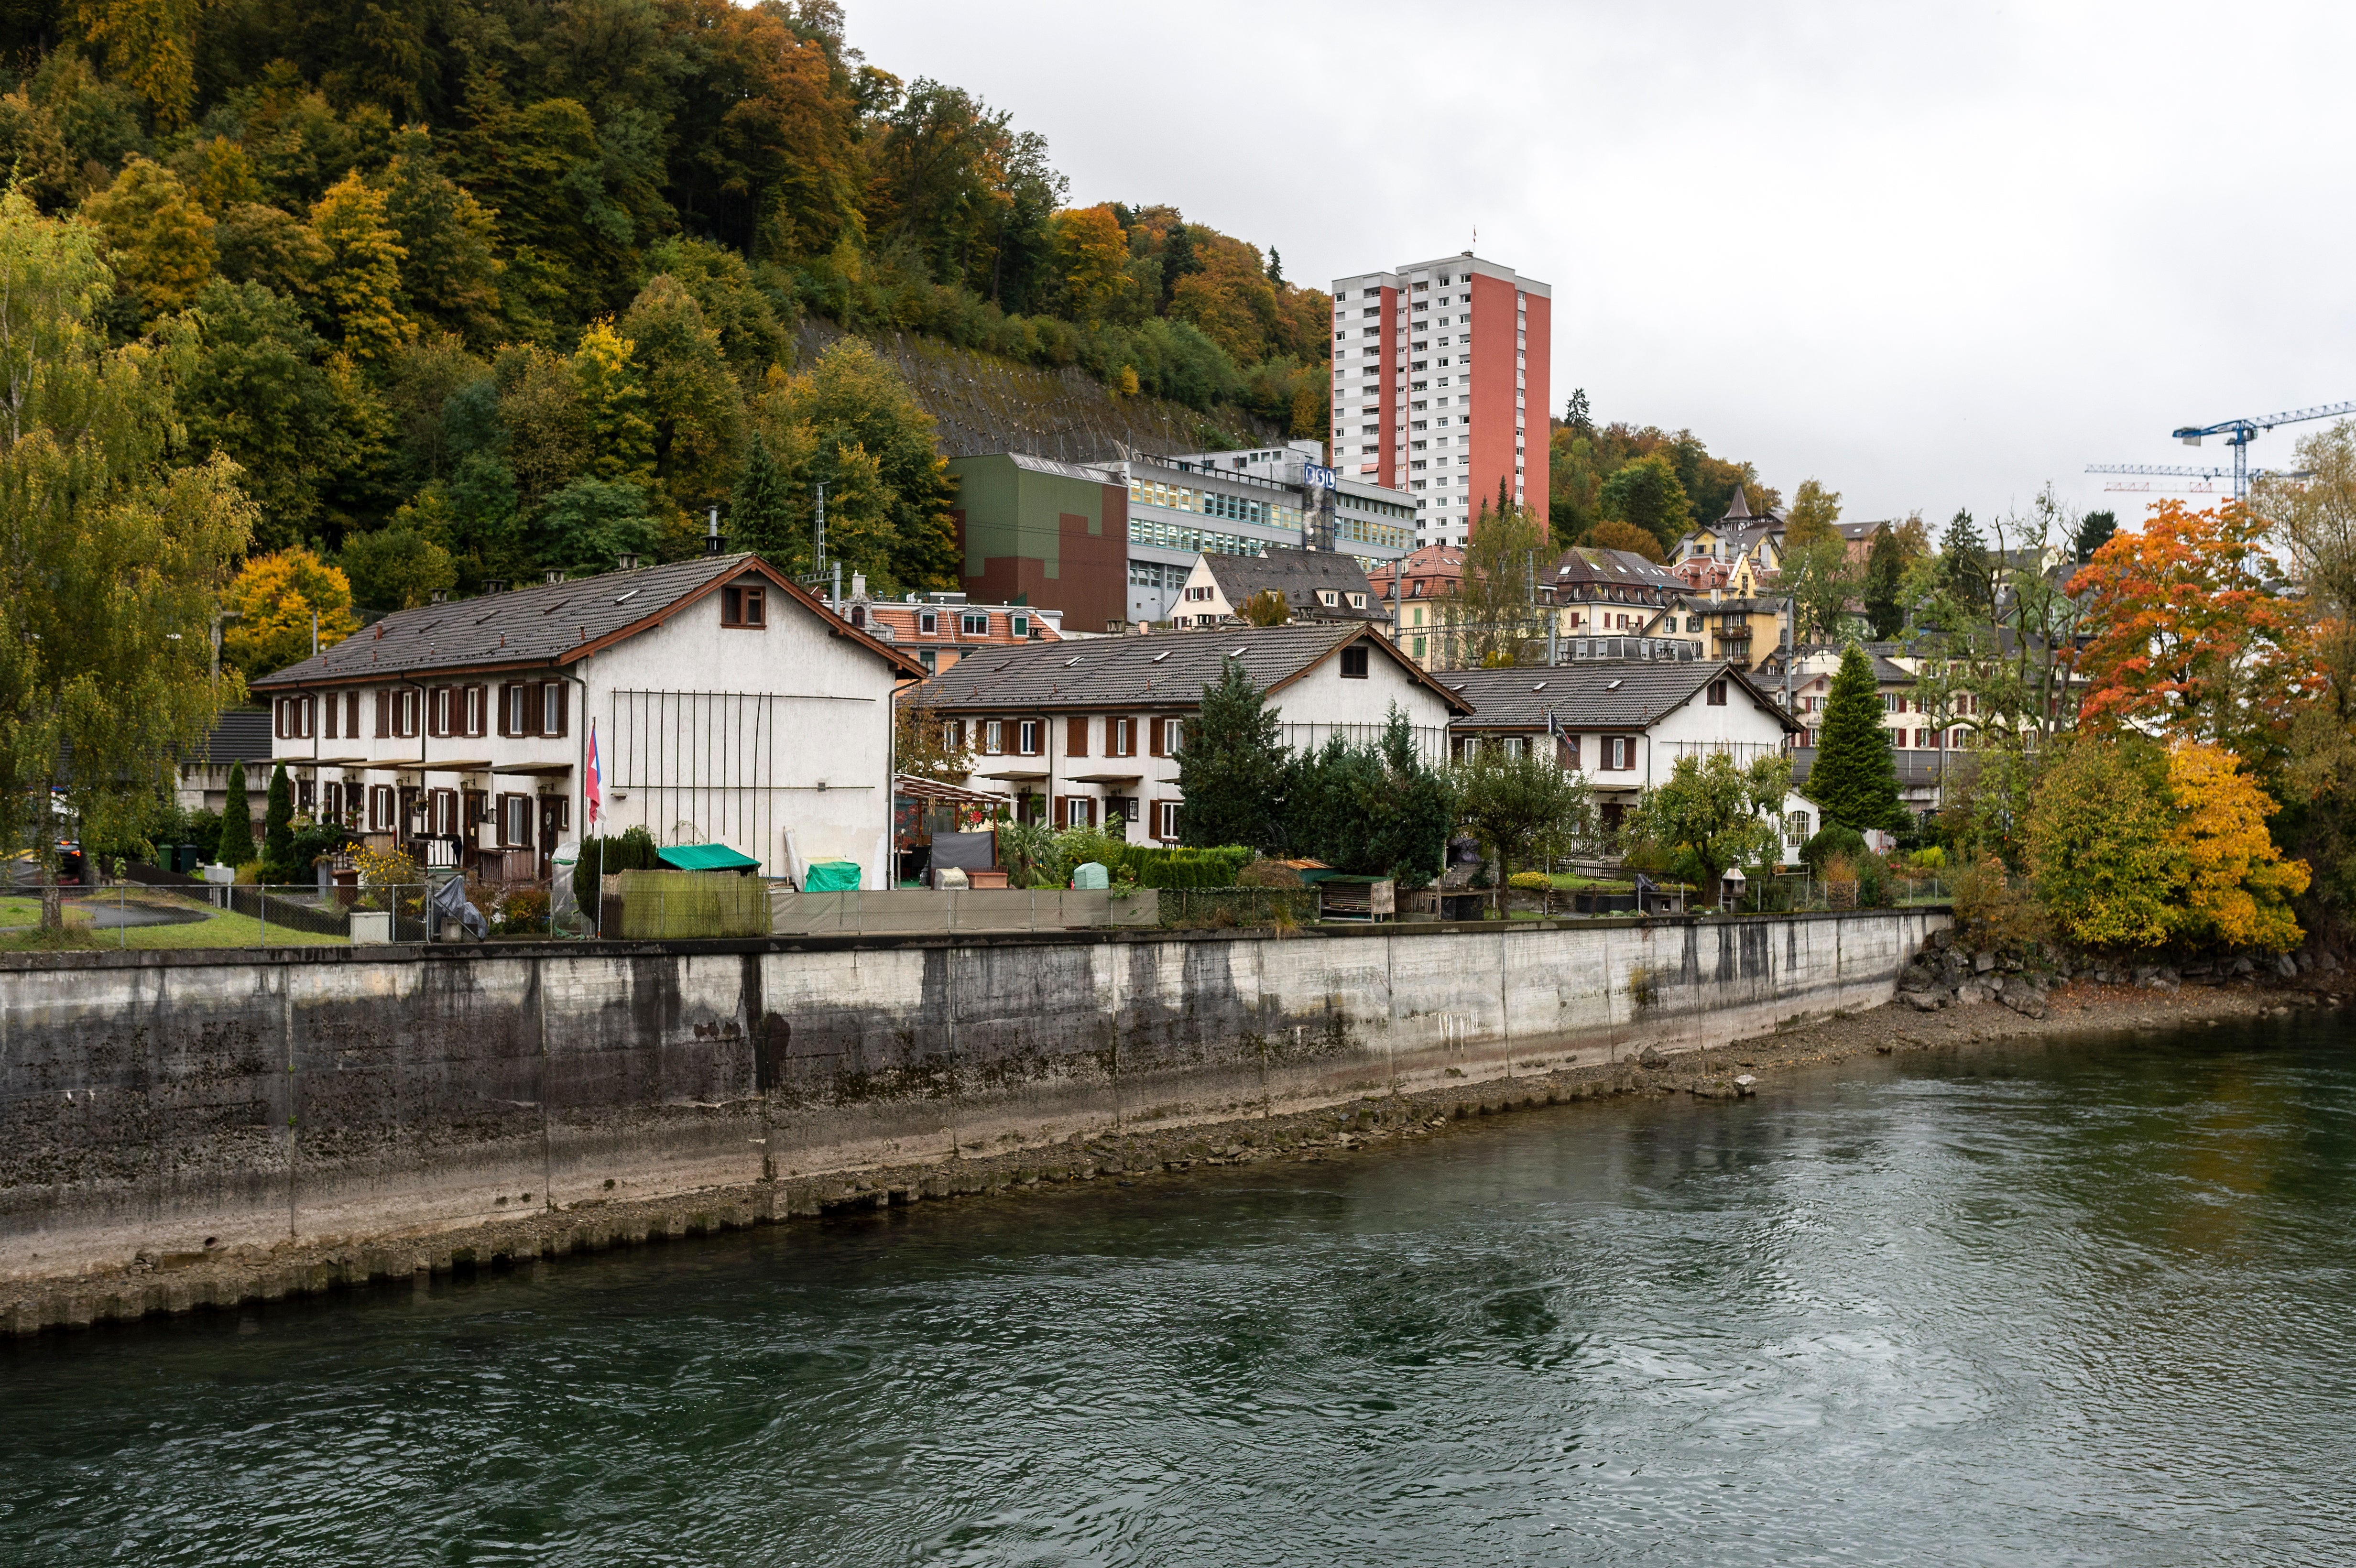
(383, 715)
(351, 715)
(1075, 737)
(535, 708)
(1154, 737)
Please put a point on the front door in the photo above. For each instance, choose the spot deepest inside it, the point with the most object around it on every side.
(552, 814)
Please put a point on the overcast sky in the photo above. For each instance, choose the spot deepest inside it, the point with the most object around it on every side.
(1933, 256)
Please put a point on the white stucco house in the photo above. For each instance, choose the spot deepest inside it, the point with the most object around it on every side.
(1623, 722)
(1083, 732)
(714, 701)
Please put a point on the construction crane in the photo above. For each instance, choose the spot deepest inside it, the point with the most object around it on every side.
(2238, 434)
(2208, 475)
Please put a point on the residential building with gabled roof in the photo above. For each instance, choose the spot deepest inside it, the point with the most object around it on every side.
(1624, 723)
(1086, 732)
(725, 704)
(1317, 585)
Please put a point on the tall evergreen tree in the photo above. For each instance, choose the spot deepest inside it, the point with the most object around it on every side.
(1232, 768)
(236, 846)
(278, 829)
(2094, 531)
(1854, 780)
(761, 511)
(1885, 571)
(1962, 560)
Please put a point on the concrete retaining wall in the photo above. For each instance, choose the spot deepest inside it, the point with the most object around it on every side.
(161, 1102)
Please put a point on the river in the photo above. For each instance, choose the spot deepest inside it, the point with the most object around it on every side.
(2088, 1302)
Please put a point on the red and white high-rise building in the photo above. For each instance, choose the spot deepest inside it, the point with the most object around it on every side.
(1440, 387)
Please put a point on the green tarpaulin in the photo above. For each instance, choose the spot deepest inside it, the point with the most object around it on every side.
(832, 876)
(706, 858)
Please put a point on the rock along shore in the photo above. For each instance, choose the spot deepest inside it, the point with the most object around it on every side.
(230, 1277)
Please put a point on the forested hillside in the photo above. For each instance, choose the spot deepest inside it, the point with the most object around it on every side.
(470, 289)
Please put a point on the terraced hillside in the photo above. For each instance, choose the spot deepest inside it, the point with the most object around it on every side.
(985, 404)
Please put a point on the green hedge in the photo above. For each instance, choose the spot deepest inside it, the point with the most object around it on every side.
(1154, 867)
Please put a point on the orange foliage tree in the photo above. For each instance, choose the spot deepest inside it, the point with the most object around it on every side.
(2189, 640)
(2237, 886)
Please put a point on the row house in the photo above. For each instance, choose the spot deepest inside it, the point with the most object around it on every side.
(710, 701)
(1087, 734)
(938, 629)
(1623, 724)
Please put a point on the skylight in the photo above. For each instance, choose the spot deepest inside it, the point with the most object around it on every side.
(633, 593)
(1611, 686)
(1160, 656)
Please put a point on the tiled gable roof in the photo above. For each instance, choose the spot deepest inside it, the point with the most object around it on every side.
(547, 623)
(1164, 670)
(1600, 694)
(1298, 574)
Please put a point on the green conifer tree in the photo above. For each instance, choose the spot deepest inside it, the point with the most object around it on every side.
(760, 513)
(1885, 571)
(236, 846)
(1854, 780)
(1231, 767)
(278, 829)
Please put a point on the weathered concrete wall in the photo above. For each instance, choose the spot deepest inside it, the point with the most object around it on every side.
(157, 1101)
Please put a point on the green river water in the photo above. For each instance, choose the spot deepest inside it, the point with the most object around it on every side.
(2089, 1303)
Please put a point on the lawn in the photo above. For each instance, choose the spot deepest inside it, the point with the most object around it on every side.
(218, 929)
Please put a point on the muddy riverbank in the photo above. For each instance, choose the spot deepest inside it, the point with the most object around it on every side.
(1130, 1157)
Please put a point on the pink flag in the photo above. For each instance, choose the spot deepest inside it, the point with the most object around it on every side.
(595, 792)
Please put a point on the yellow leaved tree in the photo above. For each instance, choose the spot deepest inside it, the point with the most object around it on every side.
(273, 597)
(2237, 886)
(361, 273)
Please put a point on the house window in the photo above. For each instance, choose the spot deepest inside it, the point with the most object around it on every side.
(1354, 662)
(1026, 737)
(1717, 693)
(553, 706)
(1121, 737)
(514, 821)
(442, 813)
(1018, 625)
(928, 623)
(437, 710)
(383, 803)
(974, 623)
(930, 658)
(1075, 811)
(1329, 598)
(474, 706)
(1623, 752)
(407, 704)
(744, 605)
(993, 738)
(1797, 826)
(1357, 601)
(1165, 820)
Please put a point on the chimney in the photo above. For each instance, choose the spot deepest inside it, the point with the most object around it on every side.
(495, 585)
(556, 577)
(712, 532)
(626, 561)
(440, 596)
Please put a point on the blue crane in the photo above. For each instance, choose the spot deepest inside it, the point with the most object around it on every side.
(2254, 473)
(2238, 434)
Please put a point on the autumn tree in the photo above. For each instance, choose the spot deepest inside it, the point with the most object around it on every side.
(273, 597)
(1814, 510)
(694, 400)
(149, 44)
(2192, 638)
(360, 271)
(1613, 534)
(114, 558)
(926, 746)
(1266, 608)
(158, 238)
(1092, 259)
(2133, 845)
(610, 402)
